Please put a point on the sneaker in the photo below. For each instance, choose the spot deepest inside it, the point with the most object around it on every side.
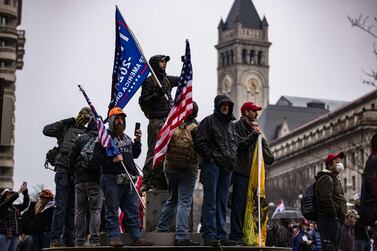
(116, 243)
(211, 242)
(186, 242)
(56, 244)
(141, 242)
(228, 243)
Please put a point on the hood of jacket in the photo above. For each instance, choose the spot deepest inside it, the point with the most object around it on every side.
(220, 99)
(325, 172)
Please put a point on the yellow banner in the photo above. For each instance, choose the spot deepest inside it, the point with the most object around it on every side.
(252, 237)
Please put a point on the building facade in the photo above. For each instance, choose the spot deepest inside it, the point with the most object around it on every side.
(11, 59)
(301, 154)
(243, 49)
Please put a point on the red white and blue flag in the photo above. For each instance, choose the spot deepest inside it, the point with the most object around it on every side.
(182, 107)
(280, 208)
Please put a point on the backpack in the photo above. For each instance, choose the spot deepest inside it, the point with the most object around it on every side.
(309, 207)
(180, 153)
(87, 152)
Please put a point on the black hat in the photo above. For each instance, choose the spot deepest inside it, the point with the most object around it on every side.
(158, 58)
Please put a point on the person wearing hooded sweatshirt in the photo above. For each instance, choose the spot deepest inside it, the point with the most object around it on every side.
(65, 131)
(331, 202)
(216, 143)
(156, 101)
(248, 132)
(88, 193)
(117, 188)
(181, 169)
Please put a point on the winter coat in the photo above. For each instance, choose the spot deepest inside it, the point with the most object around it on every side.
(66, 133)
(347, 238)
(216, 138)
(298, 243)
(329, 194)
(10, 214)
(129, 150)
(92, 171)
(368, 200)
(247, 139)
(153, 96)
(361, 230)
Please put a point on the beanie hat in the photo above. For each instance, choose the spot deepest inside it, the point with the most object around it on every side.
(46, 194)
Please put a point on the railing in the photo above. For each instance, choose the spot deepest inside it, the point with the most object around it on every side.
(7, 49)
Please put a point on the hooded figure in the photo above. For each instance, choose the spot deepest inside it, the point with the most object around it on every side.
(216, 143)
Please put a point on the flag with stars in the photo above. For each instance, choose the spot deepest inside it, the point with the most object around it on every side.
(182, 107)
(130, 68)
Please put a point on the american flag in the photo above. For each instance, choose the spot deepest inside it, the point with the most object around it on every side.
(103, 135)
(182, 107)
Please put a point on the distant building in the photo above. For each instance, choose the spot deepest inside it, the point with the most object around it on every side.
(242, 49)
(11, 59)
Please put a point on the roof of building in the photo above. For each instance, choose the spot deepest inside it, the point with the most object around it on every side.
(273, 116)
(302, 102)
(244, 12)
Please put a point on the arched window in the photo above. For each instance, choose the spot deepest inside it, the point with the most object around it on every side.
(252, 57)
(243, 56)
(222, 59)
(231, 57)
(227, 57)
(260, 56)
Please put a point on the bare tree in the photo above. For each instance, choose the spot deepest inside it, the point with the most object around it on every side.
(362, 23)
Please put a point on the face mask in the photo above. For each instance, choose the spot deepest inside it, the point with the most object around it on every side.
(339, 167)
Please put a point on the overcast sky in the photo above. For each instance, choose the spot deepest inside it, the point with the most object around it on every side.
(314, 53)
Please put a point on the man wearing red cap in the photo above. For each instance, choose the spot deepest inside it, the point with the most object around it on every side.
(116, 186)
(248, 132)
(331, 202)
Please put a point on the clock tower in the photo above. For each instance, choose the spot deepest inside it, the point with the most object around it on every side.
(242, 49)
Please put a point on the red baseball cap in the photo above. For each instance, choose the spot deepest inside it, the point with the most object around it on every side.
(333, 156)
(250, 106)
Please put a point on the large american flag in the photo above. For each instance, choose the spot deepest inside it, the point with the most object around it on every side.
(182, 107)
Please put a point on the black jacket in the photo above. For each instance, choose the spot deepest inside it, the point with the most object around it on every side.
(216, 138)
(329, 195)
(92, 171)
(130, 150)
(247, 139)
(153, 97)
(368, 200)
(66, 133)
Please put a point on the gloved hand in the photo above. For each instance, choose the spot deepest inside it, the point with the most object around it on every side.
(182, 59)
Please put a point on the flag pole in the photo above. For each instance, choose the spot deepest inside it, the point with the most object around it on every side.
(259, 189)
(142, 53)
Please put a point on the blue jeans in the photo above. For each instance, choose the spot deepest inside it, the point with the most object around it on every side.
(362, 245)
(181, 188)
(239, 196)
(41, 240)
(63, 219)
(123, 197)
(8, 244)
(216, 183)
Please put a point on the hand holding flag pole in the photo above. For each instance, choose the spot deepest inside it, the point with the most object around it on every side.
(106, 142)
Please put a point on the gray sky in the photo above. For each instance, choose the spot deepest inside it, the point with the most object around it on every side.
(315, 53)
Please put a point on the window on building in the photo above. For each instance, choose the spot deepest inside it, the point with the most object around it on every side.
(222, 59)
(345, 184)
(353, 183)
(252, 57)
(231, 57)
(2, 64)
(3, 20)
(372, 106)
(353, 159)
(227, 57)
(260, 57)
(243, 56)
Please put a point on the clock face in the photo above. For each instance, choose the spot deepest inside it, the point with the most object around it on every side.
(252, 85)
(226, 85)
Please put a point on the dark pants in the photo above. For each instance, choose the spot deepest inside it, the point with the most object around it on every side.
(239, 195)
(124, 197)
(63, 219)
(362, 245)
(41, 240)
(216, 183)
(153, 178)
(329, 229)
(88, 196)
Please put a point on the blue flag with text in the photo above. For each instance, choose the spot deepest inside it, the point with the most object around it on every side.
(130, 68)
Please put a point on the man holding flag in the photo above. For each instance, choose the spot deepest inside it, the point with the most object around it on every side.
(248, 132)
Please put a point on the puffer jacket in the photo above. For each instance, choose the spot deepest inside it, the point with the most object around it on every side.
(247, 139)
(66, 133)
(368, 200)
(216, 138)
(329, 195)
(153, 96)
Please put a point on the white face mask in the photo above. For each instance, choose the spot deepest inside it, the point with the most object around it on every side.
(339, 167)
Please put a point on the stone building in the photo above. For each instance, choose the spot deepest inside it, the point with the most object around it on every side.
(11, 59)
(300, 154)
(243, 48)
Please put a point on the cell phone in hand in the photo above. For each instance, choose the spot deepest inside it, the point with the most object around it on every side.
(137, 127)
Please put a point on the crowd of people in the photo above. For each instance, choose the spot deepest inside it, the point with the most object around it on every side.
(89, 177)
